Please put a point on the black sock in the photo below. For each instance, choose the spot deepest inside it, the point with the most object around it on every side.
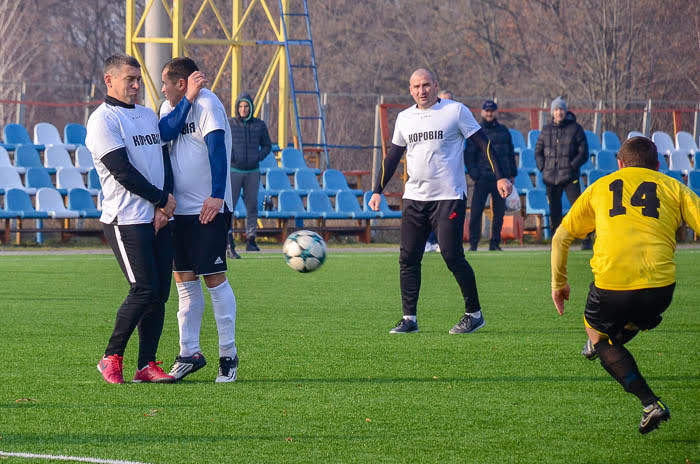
(620, 364)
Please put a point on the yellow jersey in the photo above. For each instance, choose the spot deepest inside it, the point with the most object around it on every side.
(635, 213)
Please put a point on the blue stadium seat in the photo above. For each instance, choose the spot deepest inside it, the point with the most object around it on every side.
(532, 138)
(694, 180)
(81, 201)
(49, 200)
(17, 201)
(346, 202)
(318, 203)
(663, 141)
(37, 178)
(518, 140)
(74, 134)
(270, 162)
(606, 161)
(239, 212)
(294, 159)
(596, 174)
(631, 134)
(289, 205)
(594, 145)
(539, 181)
(536, 204)
(27, 157)
(527, 160)
(679, 160)
(663, 164)
(678, 175)
(611, 141)
(93, 180)
(522, 182)
(305, 181)
(16, 134)
(384, 210)
(276, 180)
(334, 180)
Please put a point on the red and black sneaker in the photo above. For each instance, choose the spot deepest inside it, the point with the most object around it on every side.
(153, 374)
(111, 368)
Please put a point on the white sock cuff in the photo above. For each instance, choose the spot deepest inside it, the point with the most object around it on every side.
(189, 288)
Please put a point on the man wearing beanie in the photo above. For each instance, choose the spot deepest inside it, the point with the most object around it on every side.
(251, 144)
(560, 152)
(480, 171)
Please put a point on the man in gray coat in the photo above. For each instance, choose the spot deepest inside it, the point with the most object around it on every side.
(251, 144)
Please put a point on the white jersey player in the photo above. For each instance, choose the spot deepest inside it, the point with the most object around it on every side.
(134, 170)
(432, 133)
(200, 155)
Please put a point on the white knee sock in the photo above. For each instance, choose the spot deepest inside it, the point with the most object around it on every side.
(189, 315)
(223, 302)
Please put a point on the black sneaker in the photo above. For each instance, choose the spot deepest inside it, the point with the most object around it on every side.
(251, 245)
(494, 247)
(228, 369)
(468, 324)
(589, 351)
(231, 254)
(652, 416)
(405, 326)
(185, 365)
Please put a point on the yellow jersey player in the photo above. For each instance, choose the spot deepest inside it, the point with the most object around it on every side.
(635, 213)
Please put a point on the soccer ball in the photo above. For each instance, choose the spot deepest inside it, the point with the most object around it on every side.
(304, 251)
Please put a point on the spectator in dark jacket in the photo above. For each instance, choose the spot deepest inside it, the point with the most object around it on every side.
(560, 152)
(479, 169)
(251, 144)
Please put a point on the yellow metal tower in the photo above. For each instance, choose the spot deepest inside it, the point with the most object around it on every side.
(182, 37)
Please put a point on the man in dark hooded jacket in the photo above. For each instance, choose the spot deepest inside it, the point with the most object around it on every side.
(251, 144)
(479, 169)
(560, 152)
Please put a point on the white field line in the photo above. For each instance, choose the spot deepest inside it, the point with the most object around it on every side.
(66, 458)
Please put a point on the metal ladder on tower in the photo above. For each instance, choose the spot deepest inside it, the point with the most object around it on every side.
(298, 68)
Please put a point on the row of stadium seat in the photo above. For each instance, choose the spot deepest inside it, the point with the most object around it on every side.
(45, 134)
(319, 205)
(26, 156)
(305, 181)
(79, 203)
(39, 177)
(684, 142)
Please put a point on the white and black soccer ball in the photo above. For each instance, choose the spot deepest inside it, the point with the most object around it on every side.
(304, 251)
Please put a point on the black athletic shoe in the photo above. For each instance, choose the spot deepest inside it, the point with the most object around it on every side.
(185, 365)
(589, 351)
(231, 254)
(652, 416)
(228, 369)
(405, 326)
(251, 245)
(587, 244)
(472, 247)
(468, 324)
(493, 247)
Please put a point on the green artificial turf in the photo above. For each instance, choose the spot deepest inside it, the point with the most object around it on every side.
(322, 380)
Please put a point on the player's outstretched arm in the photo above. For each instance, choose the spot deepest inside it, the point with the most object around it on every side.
(561, 242)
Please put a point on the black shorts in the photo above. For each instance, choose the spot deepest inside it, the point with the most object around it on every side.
(608, 311)
(201, 248)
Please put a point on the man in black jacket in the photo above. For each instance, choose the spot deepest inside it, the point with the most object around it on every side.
(479, 169)
(251, 144)
(560, 152)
